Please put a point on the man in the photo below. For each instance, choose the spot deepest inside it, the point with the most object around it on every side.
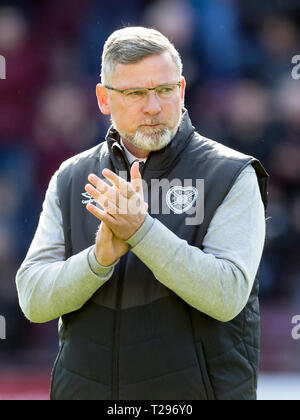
(161, 305)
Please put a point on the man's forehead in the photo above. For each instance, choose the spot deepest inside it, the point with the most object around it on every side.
(151, 71)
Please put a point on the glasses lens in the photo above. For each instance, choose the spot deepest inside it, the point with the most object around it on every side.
(139, 95)
(166, 92)
(135, 95)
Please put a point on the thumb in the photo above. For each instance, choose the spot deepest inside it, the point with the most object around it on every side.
(136, 178)
(105, 231)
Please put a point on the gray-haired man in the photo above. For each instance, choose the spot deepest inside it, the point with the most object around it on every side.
(155, 308)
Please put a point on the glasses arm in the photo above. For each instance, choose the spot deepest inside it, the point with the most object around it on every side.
(116, 90)
(124, 90)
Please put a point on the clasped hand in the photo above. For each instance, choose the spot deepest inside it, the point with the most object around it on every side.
(124, 208)
(124, 211)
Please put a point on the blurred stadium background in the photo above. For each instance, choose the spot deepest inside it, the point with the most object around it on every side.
(240, 91)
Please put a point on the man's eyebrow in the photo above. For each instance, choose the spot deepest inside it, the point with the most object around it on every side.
(143, 87)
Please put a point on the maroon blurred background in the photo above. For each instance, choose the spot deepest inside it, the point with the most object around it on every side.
(240, 91)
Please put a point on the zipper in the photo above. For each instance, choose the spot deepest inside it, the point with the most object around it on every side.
(54, 370)
(204, 372)
(117, 321)
(116, 343)
(145, 164)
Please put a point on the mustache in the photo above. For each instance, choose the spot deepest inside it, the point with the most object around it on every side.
(151, 122)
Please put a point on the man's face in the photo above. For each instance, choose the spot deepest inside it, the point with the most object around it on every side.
(149, 123)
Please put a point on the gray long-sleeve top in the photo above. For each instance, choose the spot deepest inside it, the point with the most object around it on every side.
(216, 281)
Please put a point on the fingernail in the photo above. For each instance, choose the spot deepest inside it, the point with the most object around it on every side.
(106, 171)
(93, 177)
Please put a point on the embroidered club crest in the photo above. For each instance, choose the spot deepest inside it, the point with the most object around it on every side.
(181, 199)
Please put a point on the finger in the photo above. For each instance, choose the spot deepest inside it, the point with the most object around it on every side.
(101, 215)
(101, 199)
(104, 231)
(123, 186)
(109, 191)
(136, 178)
(105, 190)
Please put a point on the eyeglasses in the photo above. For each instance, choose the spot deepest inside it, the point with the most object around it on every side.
(136, 95)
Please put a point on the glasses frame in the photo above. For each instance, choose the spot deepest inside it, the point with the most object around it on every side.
(148, 89)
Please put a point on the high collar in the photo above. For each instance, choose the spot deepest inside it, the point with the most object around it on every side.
(131, 158)
(159, 161)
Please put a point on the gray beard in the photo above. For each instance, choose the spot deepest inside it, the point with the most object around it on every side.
(153, 140)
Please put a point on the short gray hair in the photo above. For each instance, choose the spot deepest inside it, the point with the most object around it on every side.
(132, 44)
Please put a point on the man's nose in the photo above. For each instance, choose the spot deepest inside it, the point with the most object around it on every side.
(152, 104)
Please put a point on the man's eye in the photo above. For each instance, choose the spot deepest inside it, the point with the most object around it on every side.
(136, 93)
(165, 89)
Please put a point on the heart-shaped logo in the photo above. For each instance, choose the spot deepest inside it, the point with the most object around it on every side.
(181, 199)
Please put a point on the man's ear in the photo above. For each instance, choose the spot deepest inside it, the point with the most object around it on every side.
(102, 99)
(182, 88)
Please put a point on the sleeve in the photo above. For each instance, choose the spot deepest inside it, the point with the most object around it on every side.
(47, 285)
(218, 280)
